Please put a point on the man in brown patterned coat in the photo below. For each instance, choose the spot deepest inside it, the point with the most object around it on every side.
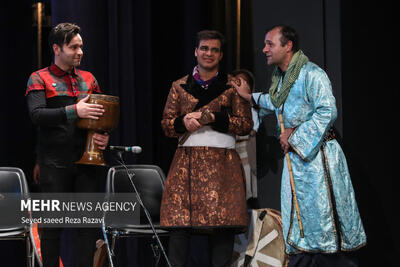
(205, 187)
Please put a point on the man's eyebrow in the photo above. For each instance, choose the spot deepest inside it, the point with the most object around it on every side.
(75, 45)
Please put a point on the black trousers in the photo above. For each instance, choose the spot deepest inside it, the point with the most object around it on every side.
(77, 178)
(220, 248)
(341, 259)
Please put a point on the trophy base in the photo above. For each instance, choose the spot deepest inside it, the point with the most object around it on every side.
(92, 158)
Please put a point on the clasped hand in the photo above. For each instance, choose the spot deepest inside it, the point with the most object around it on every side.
(191, 121)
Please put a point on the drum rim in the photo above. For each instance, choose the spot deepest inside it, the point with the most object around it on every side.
(109, 98)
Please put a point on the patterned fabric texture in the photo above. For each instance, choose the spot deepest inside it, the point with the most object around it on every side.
(204, 189)
(205, 186)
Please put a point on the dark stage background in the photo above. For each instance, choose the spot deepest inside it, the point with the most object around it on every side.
(137, 48)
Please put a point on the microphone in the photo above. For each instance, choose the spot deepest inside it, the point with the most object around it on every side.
(132, 149)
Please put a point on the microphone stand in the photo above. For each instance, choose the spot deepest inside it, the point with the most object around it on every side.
(131, 174)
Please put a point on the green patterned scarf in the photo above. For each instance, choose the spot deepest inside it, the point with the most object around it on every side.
(292, 72)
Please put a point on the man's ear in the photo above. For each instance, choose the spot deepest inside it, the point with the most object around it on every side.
(195, 52)
(221, 55)
(289, 45)
(56, 49)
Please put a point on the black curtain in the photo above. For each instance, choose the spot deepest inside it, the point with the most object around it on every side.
(16, 134)
(369, 94)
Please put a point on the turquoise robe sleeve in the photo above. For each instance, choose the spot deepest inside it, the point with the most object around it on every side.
(308, 136)
(265, 107)
(264, 101)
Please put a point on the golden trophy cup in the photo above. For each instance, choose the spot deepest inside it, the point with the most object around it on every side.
(109, 121)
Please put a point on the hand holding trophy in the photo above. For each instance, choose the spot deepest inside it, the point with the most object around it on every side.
(107, 122)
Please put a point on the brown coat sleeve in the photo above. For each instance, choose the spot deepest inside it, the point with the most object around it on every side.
(240, 120)
(171, 112)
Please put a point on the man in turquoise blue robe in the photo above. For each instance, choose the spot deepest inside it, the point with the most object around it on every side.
(302, 93)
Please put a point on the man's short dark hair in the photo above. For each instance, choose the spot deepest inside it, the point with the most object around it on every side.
(62, 34)
(249, 77)
(210, 35)
(288, 34)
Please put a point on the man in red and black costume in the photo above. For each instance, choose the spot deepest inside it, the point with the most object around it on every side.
(205, 187)
(52, 102)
